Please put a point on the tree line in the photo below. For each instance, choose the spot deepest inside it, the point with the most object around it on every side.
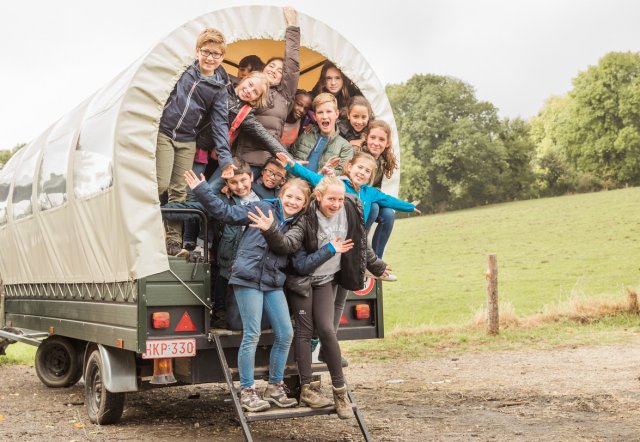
(456, 152)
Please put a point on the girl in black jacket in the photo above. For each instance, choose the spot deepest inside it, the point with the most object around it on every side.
(321, 262)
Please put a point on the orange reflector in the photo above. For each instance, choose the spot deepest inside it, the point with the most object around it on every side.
(343, 319)
(160, 319)
(51, 330)
(362, 311)
(185, 324)
(162, 372)
(119, 343)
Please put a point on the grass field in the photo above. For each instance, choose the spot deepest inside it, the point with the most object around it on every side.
(548, 251)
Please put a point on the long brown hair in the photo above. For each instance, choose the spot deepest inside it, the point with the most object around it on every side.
(390, 163)
(344, 94)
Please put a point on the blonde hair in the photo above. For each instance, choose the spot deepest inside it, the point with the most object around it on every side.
(390, 160)
(300, 184)
(262, 100)
(323, 185)
(362, 156)
(323, 98)
(211, 35)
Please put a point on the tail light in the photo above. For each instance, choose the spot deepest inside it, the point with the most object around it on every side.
(362, 311)
(160, 320)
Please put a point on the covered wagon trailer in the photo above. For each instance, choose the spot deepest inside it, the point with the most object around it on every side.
(84, 267)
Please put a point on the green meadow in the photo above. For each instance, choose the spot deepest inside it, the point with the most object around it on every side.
(549, 250)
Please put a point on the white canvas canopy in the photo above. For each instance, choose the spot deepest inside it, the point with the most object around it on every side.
(79, 204)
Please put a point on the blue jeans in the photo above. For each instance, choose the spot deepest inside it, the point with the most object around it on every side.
(192, 225)
(250, 303)
(385, 217)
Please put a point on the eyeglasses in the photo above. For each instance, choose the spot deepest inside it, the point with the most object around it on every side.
(272, 174)
(214, 55)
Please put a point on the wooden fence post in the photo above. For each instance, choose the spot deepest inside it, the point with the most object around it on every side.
(493, 318)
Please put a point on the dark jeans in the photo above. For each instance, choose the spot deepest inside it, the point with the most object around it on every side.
(192, 225)
(316, 312)
(385, 217)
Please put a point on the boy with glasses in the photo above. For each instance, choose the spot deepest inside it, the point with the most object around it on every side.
(199, 97)
(272, 176)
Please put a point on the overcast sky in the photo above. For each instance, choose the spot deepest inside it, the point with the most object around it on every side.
(516, 54)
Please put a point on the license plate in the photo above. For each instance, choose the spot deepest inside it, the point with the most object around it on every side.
(170, 348)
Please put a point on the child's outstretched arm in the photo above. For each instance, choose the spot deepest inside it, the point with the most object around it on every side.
(216, 207)
(299, 171)
(220, 129)
(386, 200)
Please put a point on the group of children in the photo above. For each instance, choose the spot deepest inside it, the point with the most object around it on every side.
(306, 235)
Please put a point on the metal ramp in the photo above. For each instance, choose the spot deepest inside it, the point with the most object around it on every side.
(273, 413)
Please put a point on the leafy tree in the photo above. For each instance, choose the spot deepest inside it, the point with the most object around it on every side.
(518, 180)
(452, 156)
(604, 124)
(550, 132)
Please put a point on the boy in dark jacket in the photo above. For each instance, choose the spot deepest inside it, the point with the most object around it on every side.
(200, 92)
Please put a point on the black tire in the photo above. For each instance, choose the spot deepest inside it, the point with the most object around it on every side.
(58, 363)
(103, 407)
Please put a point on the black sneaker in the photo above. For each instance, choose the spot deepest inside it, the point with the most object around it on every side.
(219, 319)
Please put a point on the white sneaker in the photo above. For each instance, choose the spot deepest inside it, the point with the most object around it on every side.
(389, 278)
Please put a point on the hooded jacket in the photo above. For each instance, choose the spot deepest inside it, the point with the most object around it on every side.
(256, 265)
(197, 101)
(302, 241)
(280, 103)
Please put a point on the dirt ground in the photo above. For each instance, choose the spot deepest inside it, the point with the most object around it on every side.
(576, 394)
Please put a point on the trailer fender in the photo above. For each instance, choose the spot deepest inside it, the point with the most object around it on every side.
(119, 368)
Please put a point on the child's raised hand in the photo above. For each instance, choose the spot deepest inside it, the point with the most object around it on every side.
(415, 209)
(227, 172)
(342, 246)
(192, 179)
(260, 221)
(290, 16)
(308, 128)
(327, 171)
(387, 272)
(332, 162)
(284, 159)
(356, 143)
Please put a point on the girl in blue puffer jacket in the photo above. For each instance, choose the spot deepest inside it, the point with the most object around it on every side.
(257, 277)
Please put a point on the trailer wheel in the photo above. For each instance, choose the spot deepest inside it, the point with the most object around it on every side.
(103, 407)
(58, 363)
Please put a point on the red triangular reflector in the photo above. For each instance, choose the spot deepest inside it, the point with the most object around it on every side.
(343, 319)
(185, 324)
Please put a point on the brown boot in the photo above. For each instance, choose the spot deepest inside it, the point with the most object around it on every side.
(311, 396)
(342, 404)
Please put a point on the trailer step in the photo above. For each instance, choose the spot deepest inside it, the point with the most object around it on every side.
(273, 413)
